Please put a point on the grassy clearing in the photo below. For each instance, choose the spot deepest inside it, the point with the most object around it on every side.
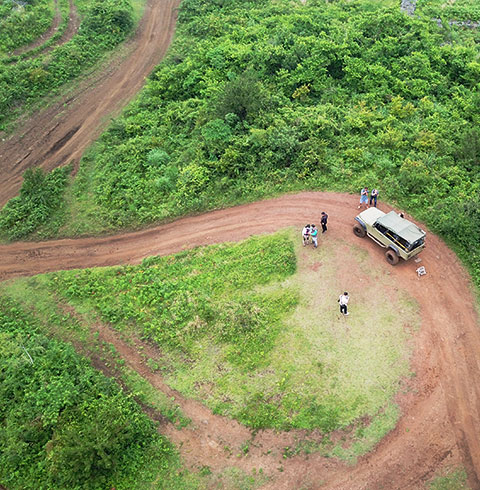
(253, 330)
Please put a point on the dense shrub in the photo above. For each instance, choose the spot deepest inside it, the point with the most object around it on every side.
(22, 22)
(40, 195)
(63, 424)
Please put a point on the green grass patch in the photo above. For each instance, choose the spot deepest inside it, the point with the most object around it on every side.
(236, 479)
(253, 330)
(451, 479)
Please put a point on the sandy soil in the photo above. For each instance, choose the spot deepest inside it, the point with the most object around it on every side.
(59, 134)
(440, 423)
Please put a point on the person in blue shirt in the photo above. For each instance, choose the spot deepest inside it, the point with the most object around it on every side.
(314, 235)
(364, 198)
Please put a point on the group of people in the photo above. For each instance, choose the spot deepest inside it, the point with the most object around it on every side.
(364, 198)
(310, 232)
(310, 235)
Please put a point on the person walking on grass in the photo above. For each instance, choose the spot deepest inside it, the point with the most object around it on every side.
(306, 234)
(343, 301)
(363, 197)
(314, 235)
(373, 197)
(323, 221)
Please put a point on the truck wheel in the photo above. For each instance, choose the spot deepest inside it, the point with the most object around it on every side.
(359, 231)
(392, 257)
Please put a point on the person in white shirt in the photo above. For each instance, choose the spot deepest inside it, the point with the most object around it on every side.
(343, 300)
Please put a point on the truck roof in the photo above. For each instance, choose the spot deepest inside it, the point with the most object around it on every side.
(402, 227)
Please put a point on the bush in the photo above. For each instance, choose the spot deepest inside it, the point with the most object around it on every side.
(41, 194)
(62, 423)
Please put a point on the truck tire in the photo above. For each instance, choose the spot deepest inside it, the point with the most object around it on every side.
(359, 231)
(392, 257)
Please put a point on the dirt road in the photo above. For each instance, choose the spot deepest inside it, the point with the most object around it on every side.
(60, 134)
(440, 422)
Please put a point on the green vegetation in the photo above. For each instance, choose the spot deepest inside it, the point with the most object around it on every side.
(40, 196)
(63, 424)
(252, 338)
(64, 8)
(80, 329)
(105, 24)
(22, 22)
(451, 480)
(171, 299)
(258, 98)
(449, 10)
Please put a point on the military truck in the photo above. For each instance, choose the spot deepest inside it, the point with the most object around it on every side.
(399, 236)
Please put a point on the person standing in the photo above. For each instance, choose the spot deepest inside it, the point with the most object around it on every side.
(364, 197)
(343, 300)
(314, 235)
(306, 234)
(323, 221)
(373, 197)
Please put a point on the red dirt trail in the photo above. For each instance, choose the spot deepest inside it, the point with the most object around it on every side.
(61, 133)
(440, 423)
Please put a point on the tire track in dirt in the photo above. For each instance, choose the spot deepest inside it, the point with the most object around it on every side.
(90, 108)
(43, 38)
(70, 31)
(440, 421)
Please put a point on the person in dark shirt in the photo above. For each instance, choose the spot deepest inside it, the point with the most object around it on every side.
(323, 221)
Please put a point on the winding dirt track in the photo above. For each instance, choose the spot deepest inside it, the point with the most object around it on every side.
(440, 424)
(60, 134)
(441, 421)
(70, 31)
(46, 35)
